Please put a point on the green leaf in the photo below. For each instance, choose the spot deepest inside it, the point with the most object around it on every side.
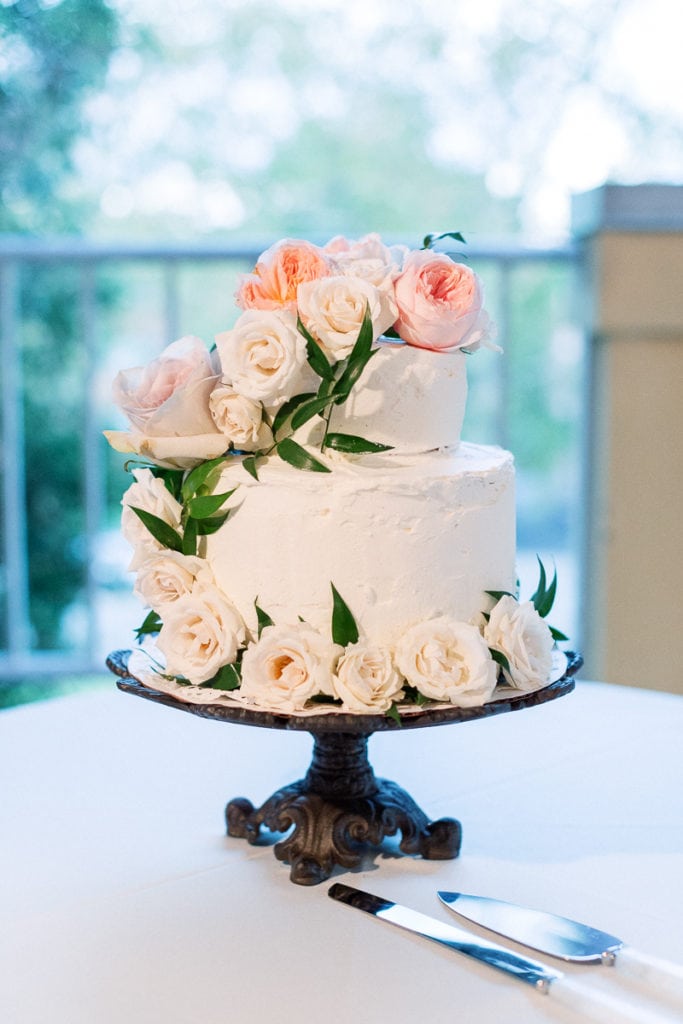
(361, 354)
(352, 443)
(317, 359)
(250, 465)
(497, 594)
(394, 714)
(263, 619)
(207, 505)
(557, 634)
(198, 476)
(227, 678)
(205, 527)
(547, 603)
(544, 598)
(540, 593)
(429, 240)
(499, 658)
(286, 410)
(190, 537)
(364, 340)
(349, 378)
(310, 409)
(304, 331)
(173, 479)
(344, 628)
(413, 696)
(326, 388)
(292, 453)
(159, 529)
(152, 624)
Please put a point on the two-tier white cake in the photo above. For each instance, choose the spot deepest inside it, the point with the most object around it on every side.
(308, 529)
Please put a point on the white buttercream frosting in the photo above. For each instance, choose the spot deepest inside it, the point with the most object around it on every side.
(403, 538)
(407, 397)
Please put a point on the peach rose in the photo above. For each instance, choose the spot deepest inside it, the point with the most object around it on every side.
(278, 273)
(439, 303)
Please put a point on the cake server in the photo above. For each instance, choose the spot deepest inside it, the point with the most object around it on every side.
(562, 937)
(588, 1003)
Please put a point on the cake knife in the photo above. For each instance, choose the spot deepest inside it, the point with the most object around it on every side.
(591, 1004)
(567, 939)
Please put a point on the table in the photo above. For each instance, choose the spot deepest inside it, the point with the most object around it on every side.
(123, 902)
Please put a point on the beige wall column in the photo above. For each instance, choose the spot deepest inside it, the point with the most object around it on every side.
(633, 610)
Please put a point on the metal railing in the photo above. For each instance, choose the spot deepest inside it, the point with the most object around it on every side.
(20, 256)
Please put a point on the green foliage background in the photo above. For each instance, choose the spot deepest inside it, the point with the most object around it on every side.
(60, 54)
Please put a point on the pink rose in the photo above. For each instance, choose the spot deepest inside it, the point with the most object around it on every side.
(167, 404)
(278, 273)
(170, 396)
(439, 303)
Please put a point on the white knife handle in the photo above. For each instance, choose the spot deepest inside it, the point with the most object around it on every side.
(664, 976)
(603, 1007)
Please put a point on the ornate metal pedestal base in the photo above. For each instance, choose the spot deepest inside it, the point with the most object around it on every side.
(337, 811)
(340, 808)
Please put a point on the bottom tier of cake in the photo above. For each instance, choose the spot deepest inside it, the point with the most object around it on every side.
(403, 539)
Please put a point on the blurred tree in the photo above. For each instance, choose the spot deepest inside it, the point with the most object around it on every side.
(52, 56)
(211, 126)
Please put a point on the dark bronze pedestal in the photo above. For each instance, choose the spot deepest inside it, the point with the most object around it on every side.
(338, 810)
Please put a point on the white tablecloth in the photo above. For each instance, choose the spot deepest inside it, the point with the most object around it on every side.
(123, 902)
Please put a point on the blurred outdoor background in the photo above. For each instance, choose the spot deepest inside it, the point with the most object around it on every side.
(149, 150)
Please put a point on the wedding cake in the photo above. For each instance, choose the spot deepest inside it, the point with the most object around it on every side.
(309, 532)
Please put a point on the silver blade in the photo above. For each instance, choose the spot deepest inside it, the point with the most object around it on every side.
(503, 959)
(547, 933)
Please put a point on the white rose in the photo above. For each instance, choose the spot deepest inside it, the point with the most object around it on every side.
(240, 419)
(371, 259)
(380, 274)
(287, 666)
(447, 661)
(366, 679)
(264, 357)
(518, 631)
(150, 494)
(332, 310)
(369, 247)
(200, 634)
(168, 577)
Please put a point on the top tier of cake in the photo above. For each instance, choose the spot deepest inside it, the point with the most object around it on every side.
(348, 346)
(409, 398)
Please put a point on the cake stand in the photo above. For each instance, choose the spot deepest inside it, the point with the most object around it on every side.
(340, 808)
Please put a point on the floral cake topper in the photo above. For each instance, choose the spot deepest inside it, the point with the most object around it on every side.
(312, 316)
